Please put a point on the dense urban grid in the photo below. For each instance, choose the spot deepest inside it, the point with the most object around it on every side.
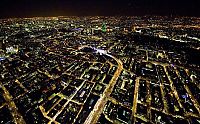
(103, 70)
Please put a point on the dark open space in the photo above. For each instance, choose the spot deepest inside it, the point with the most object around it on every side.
(32, 8)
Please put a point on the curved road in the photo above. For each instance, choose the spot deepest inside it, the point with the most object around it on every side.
(99, 106)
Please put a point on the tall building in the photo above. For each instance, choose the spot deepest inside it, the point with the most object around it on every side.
(103, 28)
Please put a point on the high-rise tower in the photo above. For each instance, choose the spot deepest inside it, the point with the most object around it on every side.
(103, 28)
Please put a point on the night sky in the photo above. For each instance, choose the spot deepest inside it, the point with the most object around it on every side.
(32, 8)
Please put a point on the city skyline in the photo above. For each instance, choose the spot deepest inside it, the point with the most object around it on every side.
(100, 70)
(99, 62)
